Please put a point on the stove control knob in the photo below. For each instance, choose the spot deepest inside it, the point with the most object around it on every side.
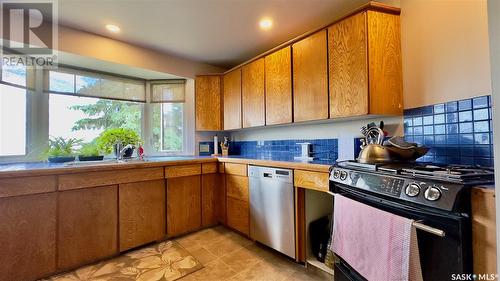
(343, 175)
(336, 174)
(432, 193)
(412, 190)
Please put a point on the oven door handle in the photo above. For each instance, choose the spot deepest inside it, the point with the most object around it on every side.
(419, 225)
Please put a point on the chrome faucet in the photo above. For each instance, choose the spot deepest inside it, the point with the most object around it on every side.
(120, 150)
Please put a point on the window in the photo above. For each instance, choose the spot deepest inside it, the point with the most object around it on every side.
(85, 118)
(13, 117)
(167, 98)
(82, 104)
(74, 103)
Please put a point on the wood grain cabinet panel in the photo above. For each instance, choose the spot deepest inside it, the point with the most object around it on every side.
(278, 81)
(385, 67)
(236, 169)
(484, 230)
(348, 67)
(237, 187)
(253, 94)
(238, 215)
(220, 206)
(183, 205)
(208, 100)
(141, 212)
(232, 100)
(209, 168)
(87, 225)
(28, 237)
(365, 65)
(103, 178)
(313, 180)
(182, 170)
(27, 185)
(310, 78)
(209, 191)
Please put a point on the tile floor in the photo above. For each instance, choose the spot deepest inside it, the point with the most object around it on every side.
(227, 255)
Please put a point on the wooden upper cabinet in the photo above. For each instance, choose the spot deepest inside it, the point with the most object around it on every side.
(208, 99)
(252, 91)
(365, 65)
(384, 64)
(232, 100)
(278, 81)
(348, 67)
(310, 78)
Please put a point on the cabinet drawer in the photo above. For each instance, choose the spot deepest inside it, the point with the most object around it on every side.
(238, 215)
(182, 171)
(208, 168)
(237, 187)
(312, 180)
(93, 179)
(235, 169)
(27, 185)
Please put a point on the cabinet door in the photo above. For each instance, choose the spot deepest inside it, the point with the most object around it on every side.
(220, 207)
(142, 213)
(310, 78)
(208, 99)
(238, 215)
(28, 237)
(384, 52)
(183, 205)
(232, 100)
(252, 91)
(278, 69)
(209, 186)
(348, 67)
(87, 226)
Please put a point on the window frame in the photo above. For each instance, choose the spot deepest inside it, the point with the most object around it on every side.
(37, 121)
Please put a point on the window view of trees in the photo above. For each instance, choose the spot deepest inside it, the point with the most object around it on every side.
(167, 126)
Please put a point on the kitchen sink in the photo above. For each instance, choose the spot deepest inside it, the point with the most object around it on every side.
(104, 162)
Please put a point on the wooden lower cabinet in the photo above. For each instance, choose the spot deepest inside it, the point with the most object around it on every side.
(183, 205)
(87, 227)
(484, 242)
(220, 207)
(209, 186)
(141, 209)
(238, 215)
(28, 237)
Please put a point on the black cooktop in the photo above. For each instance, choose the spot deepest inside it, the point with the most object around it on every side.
(455, 173)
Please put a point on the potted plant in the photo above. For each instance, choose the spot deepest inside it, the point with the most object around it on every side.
(90, 152)
(107, 140)
(61, 149)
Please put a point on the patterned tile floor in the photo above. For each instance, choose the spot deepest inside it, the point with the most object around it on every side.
(226, 255)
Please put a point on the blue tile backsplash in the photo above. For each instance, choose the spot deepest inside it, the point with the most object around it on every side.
(458, 132)
(322, 149)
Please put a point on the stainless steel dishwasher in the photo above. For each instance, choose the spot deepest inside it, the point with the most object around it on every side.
(272, 211)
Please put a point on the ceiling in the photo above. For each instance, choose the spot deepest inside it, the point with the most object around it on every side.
(219, 32)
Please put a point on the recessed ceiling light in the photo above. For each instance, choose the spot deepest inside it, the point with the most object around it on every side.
(113, 28)
(266, 23)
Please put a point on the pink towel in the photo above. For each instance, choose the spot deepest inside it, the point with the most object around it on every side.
(379, 245)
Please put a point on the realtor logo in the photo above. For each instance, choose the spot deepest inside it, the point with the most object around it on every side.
(29, 32)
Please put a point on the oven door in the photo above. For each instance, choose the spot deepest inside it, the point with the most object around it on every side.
(440, 257)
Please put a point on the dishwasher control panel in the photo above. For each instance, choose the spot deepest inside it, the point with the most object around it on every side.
(285, 175)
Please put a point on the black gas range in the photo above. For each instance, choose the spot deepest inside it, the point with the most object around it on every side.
(436, 197)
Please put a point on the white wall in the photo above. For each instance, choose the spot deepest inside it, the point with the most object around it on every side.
(494, 31)
(445, 50)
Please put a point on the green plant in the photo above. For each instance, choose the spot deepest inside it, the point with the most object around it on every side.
(61, 147)
(107, 139)
(89, 149)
